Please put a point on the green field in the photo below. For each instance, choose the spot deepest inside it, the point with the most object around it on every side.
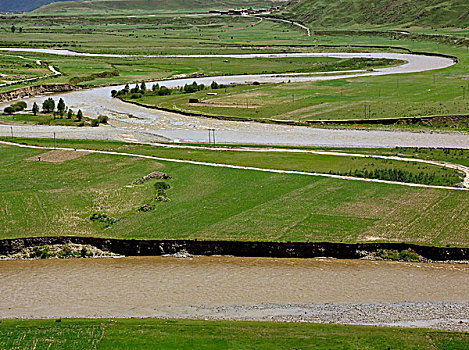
(407, 95)
(189, 334)
(44, 198)
(41, 119)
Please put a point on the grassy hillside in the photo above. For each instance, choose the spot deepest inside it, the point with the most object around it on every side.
(23, 5)
(148, 5)
(338, 13)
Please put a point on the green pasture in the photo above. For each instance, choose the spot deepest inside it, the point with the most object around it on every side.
(406, 95)
(74, 334)
(43, 198)
(41, 119)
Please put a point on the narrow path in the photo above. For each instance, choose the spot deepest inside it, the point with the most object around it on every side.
(218, 165)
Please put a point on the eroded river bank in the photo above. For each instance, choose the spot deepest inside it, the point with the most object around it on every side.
(311, 290)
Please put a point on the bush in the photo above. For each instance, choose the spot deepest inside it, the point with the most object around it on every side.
(9, 110)
(136, 95)
(94, 123)
(19, 106)
(103, 218)
(161, 185)
(256, 83)
(193, 100)
(164, 91)
(103, 119)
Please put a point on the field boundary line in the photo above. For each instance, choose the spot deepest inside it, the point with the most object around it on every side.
(239, 167)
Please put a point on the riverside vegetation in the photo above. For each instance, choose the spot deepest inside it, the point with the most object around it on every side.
(62, 115)
(187, 334)
(437, 93)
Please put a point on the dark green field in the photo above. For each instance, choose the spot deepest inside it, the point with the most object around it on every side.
(103, 334)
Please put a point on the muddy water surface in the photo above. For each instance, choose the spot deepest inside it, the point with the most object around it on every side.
(144, 286)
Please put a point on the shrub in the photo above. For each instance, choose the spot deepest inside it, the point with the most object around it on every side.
(164, 91)
(94, 123)
(103, 119)
(103, 218)
(193, 100)
(9, 110)
(136, 95)
(161, 185)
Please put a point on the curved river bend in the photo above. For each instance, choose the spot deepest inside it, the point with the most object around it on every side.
(134, 123)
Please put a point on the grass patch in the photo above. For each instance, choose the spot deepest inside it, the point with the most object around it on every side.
(189, 334)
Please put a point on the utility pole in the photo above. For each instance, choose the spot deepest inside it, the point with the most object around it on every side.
(11, 128)
(211, 136)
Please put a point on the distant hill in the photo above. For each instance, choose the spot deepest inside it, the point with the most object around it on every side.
(338, 13)
(23, 5)
(148, 5)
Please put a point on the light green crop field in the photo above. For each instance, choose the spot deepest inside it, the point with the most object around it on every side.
(44, 198)
(74, 334)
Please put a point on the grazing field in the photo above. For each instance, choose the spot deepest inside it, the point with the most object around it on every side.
(439, 93)
(189, 334)
(99, 195)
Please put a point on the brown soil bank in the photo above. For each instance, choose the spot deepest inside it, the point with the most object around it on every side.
(133, 247)
(35, 90)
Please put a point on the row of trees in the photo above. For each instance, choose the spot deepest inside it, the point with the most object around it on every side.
(48, 106)
(141, 89)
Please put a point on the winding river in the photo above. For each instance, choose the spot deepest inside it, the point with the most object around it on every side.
(134, 123)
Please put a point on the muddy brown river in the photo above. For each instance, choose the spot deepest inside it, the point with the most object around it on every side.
(318, 290)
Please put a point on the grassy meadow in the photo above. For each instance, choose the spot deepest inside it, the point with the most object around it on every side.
(406, 95)
(189, 334)
(44, 198)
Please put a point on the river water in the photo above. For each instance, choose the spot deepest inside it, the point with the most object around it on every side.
(321, 290)
(134, 123)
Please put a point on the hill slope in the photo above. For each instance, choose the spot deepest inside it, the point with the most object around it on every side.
(149, 5)
(337, 13)
(23, 5)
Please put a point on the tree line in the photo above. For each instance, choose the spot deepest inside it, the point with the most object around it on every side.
(141, 89)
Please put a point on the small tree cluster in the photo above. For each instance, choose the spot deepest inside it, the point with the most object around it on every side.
(194, 87)
(139, 90)
(16, 107)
